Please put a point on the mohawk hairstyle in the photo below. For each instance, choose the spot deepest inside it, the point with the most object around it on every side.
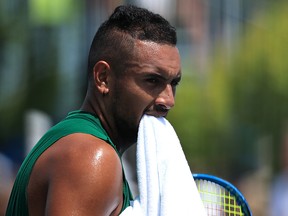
(142, 24)
(125, 25)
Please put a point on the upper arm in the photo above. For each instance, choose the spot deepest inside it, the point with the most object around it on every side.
(85, 179)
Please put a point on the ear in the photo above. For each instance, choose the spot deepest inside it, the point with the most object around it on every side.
(101, 72)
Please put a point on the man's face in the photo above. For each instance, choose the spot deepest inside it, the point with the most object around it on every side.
(147, 86)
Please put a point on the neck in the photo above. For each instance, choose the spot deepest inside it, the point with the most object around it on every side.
(95, 107)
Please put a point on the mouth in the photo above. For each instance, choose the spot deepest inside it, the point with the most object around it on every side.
(158, 111)
(162, 110)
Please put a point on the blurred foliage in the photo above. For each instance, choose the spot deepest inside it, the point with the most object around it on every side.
(52, 12)
(38, 79)
(222, 118)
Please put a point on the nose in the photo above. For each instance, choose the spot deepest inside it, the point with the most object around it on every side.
(166, 98)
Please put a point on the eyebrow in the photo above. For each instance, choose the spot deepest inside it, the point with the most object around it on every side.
(153, 71)
(154, 74)
(161, 76)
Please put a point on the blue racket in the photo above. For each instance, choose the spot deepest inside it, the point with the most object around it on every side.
(221, 197)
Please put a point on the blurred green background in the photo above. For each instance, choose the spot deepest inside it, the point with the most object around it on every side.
(231, 106)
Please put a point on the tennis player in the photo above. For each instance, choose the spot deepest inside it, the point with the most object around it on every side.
(76, 168)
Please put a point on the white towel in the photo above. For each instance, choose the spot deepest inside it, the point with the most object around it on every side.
(166, 185)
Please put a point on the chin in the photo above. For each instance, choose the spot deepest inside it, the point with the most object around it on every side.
(129, 133)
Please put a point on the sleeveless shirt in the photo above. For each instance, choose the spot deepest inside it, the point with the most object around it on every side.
(75, 122)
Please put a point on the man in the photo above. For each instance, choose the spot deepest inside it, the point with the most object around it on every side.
(76, 168)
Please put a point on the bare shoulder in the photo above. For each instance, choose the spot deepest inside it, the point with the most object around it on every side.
(83, 151)
(81, 174)
(84, 154)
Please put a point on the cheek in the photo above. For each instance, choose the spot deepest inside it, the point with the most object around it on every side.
(133, 103)
(128, 110)
(133, 98)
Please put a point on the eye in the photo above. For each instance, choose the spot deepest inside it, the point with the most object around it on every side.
(153, 80)
(175, 82)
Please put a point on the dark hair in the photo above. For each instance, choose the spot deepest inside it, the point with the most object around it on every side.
(116, 36)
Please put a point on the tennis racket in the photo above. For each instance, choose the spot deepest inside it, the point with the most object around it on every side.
(221, 198)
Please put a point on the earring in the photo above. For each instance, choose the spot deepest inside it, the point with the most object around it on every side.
(105, 91)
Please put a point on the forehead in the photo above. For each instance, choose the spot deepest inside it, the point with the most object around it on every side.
(152, 55)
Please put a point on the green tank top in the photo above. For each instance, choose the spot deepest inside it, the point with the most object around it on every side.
(75, 122)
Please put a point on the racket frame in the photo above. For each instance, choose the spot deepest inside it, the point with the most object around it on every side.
(230, 187)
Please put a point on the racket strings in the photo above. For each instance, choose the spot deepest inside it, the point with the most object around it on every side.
(217, 200)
